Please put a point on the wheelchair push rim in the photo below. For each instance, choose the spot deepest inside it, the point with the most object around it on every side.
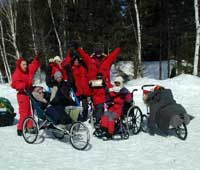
(79, 136)
(30, 130)
(134, 119)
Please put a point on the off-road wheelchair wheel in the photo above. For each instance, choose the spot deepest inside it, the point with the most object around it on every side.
(181, 131)
(134, 119)
(30, 130)
(79, 136)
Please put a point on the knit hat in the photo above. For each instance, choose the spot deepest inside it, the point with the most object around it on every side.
(98, 53)
(57, 58)
(57, 74)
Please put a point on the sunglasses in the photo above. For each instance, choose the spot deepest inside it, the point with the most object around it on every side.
(117, 83)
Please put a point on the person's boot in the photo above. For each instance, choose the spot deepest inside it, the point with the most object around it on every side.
(152, 131)
(107, 137)
(19, 132)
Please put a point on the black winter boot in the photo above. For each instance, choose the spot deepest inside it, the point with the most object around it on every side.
(19, 132)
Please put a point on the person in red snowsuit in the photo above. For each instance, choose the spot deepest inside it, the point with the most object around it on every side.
(120, 95)
(99, 63)
(81, 80)
(22, 79)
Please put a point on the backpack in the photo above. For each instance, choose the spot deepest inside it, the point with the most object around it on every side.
(6, 112)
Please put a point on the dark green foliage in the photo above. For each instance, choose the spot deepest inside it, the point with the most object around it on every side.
(167, 28)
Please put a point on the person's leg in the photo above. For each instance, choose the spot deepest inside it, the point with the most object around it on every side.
(85, 108)
(98, 112)
(104, 121)
(24, 111)
(111, 125)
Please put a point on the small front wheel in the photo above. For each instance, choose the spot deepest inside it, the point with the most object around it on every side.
(181, 131)
(144, 125)
(79, 135)
(30, 130)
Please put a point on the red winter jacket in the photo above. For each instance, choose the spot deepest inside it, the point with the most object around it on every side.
(55, 68)
(119, 100)
(81, 80)
(99, 95)
(103, 66)
(24, 80)
(80, 76)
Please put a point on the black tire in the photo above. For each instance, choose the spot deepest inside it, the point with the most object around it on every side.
(58, 134)
(181, 131)
(30, 134)
(79, 136)
(134, 119)
(144, 126)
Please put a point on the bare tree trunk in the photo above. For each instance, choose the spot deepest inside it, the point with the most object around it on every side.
(1, 77)
(196, 55)
(33, 35)
(9, 11)
(12, 18)
(138, 31)
(32, 27)
(55, 30)
(3, 54)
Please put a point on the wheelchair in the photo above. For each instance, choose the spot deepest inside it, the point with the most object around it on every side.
(130, 123)
(180, 131)
(77, 132)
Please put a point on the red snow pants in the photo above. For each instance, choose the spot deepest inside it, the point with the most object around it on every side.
(24, 109)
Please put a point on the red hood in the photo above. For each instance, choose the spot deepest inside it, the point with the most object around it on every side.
(18, 64)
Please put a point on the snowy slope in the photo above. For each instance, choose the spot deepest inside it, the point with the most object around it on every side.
(140, 152)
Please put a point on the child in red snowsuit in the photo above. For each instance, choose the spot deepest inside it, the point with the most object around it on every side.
(22, 79)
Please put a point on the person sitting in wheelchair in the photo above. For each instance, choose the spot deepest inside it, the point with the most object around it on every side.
(55, 104)
(164, 111)
(119, 95)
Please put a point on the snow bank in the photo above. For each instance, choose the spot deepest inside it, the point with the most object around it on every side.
(140, 152)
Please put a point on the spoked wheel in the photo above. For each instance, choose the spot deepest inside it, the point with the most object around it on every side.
(144, 126)
(58, 134)
(181, 131)
(134, 119)
(30, 130)
(79, 136)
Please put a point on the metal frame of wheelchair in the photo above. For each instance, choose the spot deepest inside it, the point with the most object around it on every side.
(180, 131)
(78, 133)
(130, 123)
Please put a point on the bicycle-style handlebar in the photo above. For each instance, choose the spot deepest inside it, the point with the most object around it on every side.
(147, 85)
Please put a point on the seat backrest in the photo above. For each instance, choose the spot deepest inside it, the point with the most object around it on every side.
(36, 105)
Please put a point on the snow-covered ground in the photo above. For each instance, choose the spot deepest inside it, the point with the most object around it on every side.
(140, 152)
